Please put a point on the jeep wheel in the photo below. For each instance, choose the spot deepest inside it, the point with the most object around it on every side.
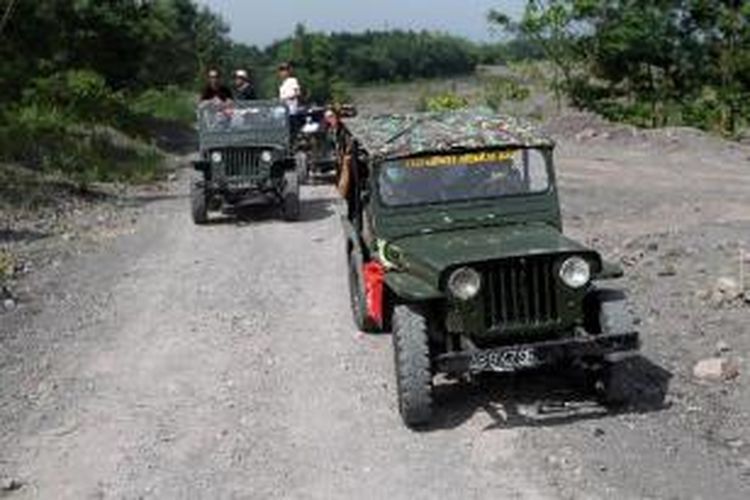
(303, 168)
(413, 372)
(291, 203)
(198, 204)
(357, 297)
(615, 380)
(612, 384)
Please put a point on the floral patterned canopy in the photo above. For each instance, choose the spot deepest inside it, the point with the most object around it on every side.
(398, 136)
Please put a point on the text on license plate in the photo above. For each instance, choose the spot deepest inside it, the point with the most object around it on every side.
(504, 360)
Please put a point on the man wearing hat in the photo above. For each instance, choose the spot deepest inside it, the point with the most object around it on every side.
(289, 91)
(243, 87)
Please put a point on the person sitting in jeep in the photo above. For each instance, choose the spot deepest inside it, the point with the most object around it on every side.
(243, 86)
(289, 90)
(214, 89)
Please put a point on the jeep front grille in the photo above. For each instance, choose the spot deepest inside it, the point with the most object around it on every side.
(520, 293)
(242, 164)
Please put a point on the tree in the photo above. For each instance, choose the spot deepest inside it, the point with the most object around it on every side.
(652, 62)
(551, 24)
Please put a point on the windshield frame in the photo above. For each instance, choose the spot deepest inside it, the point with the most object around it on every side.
(209, 126)
(546, 151)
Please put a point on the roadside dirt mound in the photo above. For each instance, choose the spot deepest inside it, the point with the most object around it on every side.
(591, 129)
(44, 219)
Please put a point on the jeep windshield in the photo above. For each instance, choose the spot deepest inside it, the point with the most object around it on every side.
(463, 177)
(242, 116)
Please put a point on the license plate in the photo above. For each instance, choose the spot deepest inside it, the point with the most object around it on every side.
(504, 360)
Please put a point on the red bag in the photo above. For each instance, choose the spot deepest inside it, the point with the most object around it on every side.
(374, 275)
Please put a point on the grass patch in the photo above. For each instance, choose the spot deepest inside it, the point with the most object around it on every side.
(103, 154)
(7, 266)
(169, 104)
(83, 154)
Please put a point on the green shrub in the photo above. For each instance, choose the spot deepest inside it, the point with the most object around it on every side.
(45, 139)
(66, 123)
(170, 103)
(341, 92)
(442, 102)
(499, 90)
(80, 95)
(28, 133)
(7, 265)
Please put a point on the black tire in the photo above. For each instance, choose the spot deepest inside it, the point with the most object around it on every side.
(413, 368)
(614, 386)
(198, 204)
(357, 299)
(615, 378)
(291, 203)
(303, 167)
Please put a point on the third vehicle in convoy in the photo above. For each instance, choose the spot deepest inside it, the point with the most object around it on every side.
(455, 245)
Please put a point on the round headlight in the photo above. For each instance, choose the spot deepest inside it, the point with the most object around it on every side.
(575, 272)
(216, 157)
(464, 283)
(266, 157)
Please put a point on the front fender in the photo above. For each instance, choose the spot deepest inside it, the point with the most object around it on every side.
(411, 288)
(609, 271)
(202, 165)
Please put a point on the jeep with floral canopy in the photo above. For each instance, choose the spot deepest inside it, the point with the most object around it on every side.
(455, 245)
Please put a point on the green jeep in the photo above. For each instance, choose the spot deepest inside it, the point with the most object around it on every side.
(455, 245)
(245, 157)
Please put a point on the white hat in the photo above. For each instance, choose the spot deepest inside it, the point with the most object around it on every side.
(241, 73)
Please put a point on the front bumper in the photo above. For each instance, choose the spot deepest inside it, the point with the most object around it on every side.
(518, 357)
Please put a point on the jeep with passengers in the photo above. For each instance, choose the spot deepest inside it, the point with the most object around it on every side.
(455, 245)
(317, 141)
(246, 157)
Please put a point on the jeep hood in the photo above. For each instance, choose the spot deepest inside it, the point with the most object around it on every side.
(428, 255)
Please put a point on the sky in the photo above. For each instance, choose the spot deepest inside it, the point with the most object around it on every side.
(260, 22)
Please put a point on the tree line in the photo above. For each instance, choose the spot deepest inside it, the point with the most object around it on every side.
(649, 62)
(329, 63)
(140, 44)
(69, 69)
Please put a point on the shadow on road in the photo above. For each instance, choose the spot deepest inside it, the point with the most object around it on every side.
(18, 235)
(546, 398)
(249, 215)
(141, 200)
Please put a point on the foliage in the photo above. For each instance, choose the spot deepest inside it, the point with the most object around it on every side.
(448, 101)
(72, 69)
(45, 139)
(326, 63)
(171, 104)
(551, 25)
(77, 95)
(73, 72)
(133, 44)
(7, 265)
(499, 90)
(651, 63)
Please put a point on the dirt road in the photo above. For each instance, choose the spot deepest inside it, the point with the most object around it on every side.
(221, 361)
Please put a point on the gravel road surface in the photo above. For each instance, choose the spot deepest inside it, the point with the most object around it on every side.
(221, 361)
